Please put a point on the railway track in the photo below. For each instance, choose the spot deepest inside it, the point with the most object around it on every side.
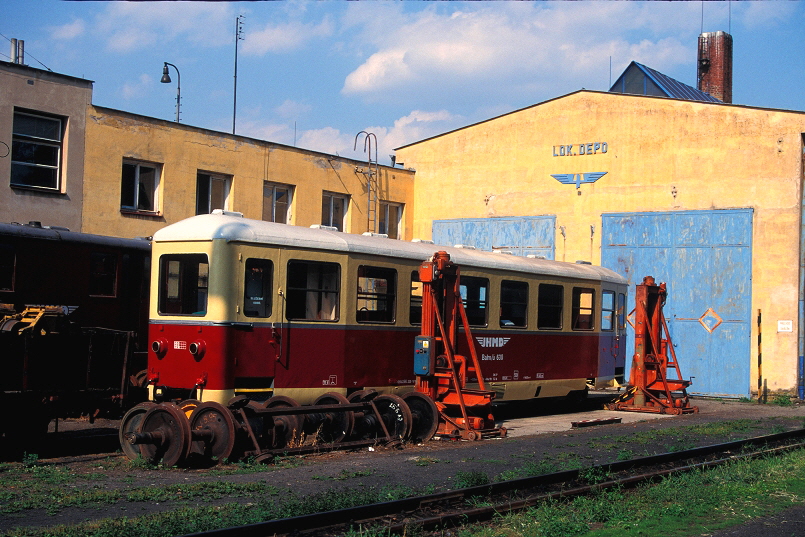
(454, 508)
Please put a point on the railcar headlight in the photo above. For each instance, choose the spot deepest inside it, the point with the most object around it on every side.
(197, 349)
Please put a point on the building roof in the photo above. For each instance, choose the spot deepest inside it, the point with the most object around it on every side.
(639, 79)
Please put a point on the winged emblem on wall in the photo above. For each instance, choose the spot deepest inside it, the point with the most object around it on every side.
(578, 178)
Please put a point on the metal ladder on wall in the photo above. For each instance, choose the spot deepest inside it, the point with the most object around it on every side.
(371, 173)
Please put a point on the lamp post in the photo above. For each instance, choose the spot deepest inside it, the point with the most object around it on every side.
(166, 79)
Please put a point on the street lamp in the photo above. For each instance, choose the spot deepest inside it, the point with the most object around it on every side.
(166, 79)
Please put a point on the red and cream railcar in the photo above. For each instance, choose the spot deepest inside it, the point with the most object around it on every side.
(244, 307)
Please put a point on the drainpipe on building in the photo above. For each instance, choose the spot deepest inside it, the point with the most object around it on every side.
(801, 317)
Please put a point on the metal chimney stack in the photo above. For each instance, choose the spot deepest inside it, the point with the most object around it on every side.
(715, 65)
(18, 51)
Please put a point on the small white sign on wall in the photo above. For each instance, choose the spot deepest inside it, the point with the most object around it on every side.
(785, 326)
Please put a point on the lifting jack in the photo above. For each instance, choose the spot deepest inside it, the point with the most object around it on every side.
(650, 389)
(441, 374)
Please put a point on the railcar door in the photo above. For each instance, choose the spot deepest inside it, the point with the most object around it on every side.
(255, 339)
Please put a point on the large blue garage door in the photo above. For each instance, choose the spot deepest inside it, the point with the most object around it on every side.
(524, 235)
(705, 257)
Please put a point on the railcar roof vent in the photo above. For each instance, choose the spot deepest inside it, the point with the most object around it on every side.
(534, 256)
(582, 262)
(326, 228)
(222, 212)
(370, 234)
(499, 251)
(423, 241)
(465, 247)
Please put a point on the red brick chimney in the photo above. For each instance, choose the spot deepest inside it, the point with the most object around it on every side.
(715, 65)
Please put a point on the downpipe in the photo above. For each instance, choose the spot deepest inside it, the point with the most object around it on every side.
(801, 315)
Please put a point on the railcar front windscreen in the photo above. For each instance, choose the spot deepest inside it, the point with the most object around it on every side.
(183, 283)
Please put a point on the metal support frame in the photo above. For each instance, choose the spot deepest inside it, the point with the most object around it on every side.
(650, 389)
(463, 412)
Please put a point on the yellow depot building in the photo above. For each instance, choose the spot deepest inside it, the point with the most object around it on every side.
(705, 196)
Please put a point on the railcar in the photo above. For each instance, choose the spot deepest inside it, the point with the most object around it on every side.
(73, 324)
(263, 310)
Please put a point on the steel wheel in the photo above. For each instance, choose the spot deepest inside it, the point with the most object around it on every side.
(188, 406)
(334, 426)
(287, 429)
(395, 415)
(360, 396)
(170, 432)
(425, 416)
(212, 430)
(131, 424)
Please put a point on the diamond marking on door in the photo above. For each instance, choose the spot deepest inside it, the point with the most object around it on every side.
(710, 320)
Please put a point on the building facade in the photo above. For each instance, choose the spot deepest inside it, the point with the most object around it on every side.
(42, 137)
(703, 195)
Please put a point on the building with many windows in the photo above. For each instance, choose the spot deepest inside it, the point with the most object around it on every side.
(84, 167)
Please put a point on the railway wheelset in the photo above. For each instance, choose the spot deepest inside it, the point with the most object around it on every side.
(195, 433)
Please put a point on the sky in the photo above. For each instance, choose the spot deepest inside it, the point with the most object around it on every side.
(319, 75)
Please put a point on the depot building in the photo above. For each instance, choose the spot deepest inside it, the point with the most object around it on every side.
(668, 182)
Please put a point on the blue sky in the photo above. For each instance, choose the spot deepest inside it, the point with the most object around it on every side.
(315, 74)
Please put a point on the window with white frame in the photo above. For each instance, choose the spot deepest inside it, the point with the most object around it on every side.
(36, 146)
(140, 186)
(334, 210)
(212, 192)
(388, 221)
(277, 202)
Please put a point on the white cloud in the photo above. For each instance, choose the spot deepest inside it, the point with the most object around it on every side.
(767, 14)
(286, 36)
(138, 89)
(292, 109)
(514, 46)
(327, 140)
(69, 31)
(131, 26)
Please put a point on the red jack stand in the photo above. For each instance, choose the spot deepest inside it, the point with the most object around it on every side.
(650, 389)
(442, 375)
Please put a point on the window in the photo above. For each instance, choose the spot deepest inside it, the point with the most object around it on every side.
(415, 308)
(377, 289)
(549, 306)
(212, 192)
(277, 202)
(312, 291)
(513, 304)
(333, 210)
(257, 288)
(139, 189)
(474, 296)
(36, 145)
(608, 311)
(583, 305)
(389, 219)
(102, 274)
(183, 283)
(7, 260)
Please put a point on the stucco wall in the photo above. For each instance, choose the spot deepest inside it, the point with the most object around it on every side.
(51, 94)
(183, 151)
(661, 155)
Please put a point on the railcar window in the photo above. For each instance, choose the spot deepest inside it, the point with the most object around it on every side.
(376, 294)
(549, 306)
(257, 288)
(415, 308)
(513, 304)
(608, 311)
(313, 291)
(621, 312)
(583, 306)
(102, 274)
(475, 296)
(7, 259)
(183, 282)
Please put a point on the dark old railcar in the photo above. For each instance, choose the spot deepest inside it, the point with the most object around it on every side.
(73, 318)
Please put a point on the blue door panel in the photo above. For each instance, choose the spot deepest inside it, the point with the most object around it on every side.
(705, 259)
(526, 235)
